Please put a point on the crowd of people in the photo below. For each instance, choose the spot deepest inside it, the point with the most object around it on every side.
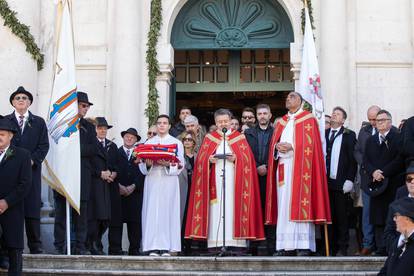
(248, 187)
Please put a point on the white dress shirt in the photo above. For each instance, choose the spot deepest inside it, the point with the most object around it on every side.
(4, 153)
(26, 117)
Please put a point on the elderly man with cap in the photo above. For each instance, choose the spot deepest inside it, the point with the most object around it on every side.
(31, 135)
(104, 172)
(126, 197)
(16, 177)
(88, 149)
(191, 124)
(407, 190)
(400, 258)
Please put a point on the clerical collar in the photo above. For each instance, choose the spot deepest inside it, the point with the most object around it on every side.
(294, 114)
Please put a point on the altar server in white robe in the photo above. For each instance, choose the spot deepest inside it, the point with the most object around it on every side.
(161, 224)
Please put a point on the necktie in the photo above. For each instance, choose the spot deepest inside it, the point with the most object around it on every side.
(103, 143)
(331, 139)
(21, 120)
(128, 152)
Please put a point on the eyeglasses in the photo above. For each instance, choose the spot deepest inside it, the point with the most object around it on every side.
(382, 120)
(18, 98)
(248, 117)
(151, 133)
(409, 179)
(188, 139)
(83, 105)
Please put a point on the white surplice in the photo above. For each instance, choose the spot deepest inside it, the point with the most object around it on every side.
(215, 227)
(161, 224)
(290, 235)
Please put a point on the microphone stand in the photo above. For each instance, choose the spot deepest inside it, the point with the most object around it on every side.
(223, 251)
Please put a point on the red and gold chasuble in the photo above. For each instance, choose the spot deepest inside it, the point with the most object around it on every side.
(248, 222)
(310, 199)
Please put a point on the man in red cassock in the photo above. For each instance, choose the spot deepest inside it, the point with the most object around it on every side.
(297, 194)
(243, 219)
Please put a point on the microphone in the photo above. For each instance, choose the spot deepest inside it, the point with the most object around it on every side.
(224, 130)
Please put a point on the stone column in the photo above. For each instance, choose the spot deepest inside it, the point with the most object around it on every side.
(124, 64)
(334, 63)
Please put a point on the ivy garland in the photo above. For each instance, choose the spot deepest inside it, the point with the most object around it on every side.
(309, 3)
(22, 31)
(152, 110)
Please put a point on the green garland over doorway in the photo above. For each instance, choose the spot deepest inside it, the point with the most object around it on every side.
(152, 110)
(22, 31)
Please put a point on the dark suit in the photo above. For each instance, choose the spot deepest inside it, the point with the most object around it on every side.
(390, 231)
(259, 141)
(35, 139)
(88, 149)
(99, 207)
(126, 209)
(408, 143)
(399, 262)
(16, 179)
(341, 204)
(387, 159)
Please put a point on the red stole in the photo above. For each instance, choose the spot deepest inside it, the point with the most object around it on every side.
(248, 222)
(310, 198)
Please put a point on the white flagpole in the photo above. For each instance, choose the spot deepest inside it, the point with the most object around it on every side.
(68, 227)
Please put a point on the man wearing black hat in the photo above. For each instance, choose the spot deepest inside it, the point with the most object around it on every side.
(400, 259)
(383, 167)
(390, 232)
(32, 135)
(126, 197)
(104, 173)
(16, 178)
(88, 149)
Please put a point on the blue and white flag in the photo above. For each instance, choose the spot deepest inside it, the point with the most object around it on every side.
(62, 165)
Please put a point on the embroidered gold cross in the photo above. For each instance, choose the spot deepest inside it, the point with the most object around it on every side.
(308, 127)
(305, 202)
(205, 146)
(308, 151)
(197, 218)
(246, 170)
(306, 176)
(245, 194)
(243, 147)
(198, 193)
(244, 219)
(200, 169)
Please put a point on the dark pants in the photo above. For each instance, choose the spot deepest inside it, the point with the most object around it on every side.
(379, 239)
(80, 223)
(96, 229)
(15, 261)
(339, 230)
(33, 234)
(134, 238)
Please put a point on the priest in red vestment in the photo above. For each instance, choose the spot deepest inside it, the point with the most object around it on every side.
(243, 209)
(297, 195)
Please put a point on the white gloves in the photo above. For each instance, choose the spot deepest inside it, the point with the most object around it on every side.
(348, 186)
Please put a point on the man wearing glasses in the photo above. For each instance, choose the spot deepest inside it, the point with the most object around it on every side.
(31, 135)
(89, 149)
(248, 117)
(382, 166)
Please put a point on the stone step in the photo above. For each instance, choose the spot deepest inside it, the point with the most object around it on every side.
(71, 272)
(145, 265)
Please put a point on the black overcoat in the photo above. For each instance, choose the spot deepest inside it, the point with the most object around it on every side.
(16, 178)
(35, 139)
(400, 263)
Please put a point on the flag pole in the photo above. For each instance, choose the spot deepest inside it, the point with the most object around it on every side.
(326, 240)
(68, 227)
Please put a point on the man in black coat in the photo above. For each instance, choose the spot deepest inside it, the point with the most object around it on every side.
(179, 127)
(368, 242)
(341, 169)
(390, 232)
(31, 135)
(88, 150)
(408, 144)
(16, 178)
(126, 197)
(104, 173)
(259, 138)
(382, 160)
(400, 259)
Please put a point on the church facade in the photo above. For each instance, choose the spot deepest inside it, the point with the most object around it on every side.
(245, 49)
